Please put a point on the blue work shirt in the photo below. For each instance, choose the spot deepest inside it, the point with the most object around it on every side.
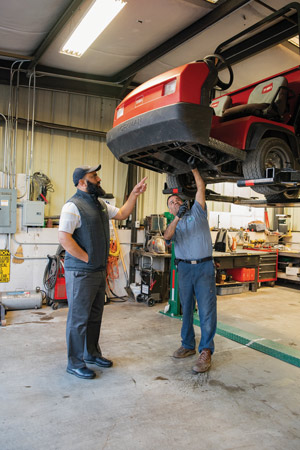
(192, 235)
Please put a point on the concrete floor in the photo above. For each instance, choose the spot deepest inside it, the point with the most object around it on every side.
(149, 400)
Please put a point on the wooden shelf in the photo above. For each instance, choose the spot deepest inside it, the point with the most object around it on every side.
(233, 283)
(290, 254)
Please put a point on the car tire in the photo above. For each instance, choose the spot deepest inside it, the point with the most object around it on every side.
(271, 152)
(290, 194)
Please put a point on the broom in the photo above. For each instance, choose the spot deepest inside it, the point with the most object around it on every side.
(17, 258)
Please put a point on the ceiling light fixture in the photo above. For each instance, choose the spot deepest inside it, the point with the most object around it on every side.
(100, 14)
(294, 41)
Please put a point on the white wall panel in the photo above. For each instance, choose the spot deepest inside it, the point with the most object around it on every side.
(295, 217)
(44, 106)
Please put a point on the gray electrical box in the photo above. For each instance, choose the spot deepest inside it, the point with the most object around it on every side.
(33, 214)
(8, 210)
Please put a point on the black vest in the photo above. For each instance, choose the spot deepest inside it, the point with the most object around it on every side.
(93, 235)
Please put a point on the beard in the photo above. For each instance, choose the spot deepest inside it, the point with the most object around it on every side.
(95, 189)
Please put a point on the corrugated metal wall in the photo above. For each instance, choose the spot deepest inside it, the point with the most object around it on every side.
(57, 153)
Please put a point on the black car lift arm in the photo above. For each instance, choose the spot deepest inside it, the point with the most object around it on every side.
(281, 177)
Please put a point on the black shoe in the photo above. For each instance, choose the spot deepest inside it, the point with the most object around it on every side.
(83, 372)
(99, 361)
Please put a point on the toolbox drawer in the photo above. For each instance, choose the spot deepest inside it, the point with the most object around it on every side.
(267, 269)
(245, 261)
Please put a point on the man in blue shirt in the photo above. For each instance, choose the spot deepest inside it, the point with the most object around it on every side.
(196, 273)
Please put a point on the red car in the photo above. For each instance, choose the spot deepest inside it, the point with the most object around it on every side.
(235, 136)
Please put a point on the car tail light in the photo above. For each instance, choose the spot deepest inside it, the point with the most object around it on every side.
(139, 100)
(169, 88)
(120, 112)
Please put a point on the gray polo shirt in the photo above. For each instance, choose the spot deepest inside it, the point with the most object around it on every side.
(192, 235)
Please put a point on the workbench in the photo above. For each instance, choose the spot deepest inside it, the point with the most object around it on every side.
(161, 261)
(223, 260)
(237, 259)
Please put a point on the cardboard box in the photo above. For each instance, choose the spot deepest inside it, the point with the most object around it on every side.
(292, 271)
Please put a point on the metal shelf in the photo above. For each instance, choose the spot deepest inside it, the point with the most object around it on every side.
(284, 276)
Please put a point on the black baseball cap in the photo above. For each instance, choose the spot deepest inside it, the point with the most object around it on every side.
(81, 171)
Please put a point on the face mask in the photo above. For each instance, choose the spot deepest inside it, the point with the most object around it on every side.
(95, 189)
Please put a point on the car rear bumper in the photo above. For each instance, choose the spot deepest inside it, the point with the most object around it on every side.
(180, 122)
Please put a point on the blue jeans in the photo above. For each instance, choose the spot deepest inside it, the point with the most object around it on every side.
(198, 280)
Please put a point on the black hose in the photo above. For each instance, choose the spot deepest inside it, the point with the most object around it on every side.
(115, 296)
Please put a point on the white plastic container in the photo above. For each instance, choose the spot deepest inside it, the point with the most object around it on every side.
(293, 271)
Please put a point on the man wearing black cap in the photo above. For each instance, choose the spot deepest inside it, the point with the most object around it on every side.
(84, 234)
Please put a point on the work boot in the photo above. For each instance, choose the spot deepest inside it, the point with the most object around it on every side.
(183, 352)
(204, 361)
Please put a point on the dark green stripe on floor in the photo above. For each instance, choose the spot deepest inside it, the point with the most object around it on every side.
(267, 346)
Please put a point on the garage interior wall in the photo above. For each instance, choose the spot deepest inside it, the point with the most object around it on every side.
(57, 153)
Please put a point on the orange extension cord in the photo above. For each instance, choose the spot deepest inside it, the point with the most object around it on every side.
(112, 270)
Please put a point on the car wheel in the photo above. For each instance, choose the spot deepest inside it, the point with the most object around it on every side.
(271, 152)
(290, 194)
(185, 181)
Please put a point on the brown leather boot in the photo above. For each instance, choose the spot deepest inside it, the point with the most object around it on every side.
(183, 352)
(204, 361)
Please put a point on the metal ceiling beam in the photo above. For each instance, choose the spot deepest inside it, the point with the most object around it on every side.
(15, 56)
(203, 3)
(262, 35)
(38, 53)
(273, 36)
(61, 83)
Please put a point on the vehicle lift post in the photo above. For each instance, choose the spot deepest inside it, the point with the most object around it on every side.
(174, 301)
(2, 315)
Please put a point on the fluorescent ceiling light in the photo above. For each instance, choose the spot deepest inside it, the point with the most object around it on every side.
(294, 41)
(100, 14)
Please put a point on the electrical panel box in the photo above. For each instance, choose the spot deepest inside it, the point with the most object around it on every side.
(33, 214)
(8, 210)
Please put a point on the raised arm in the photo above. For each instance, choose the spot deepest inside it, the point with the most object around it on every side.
(128, 206)
(200, 194)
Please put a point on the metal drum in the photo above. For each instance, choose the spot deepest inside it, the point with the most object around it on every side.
(21, 300)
